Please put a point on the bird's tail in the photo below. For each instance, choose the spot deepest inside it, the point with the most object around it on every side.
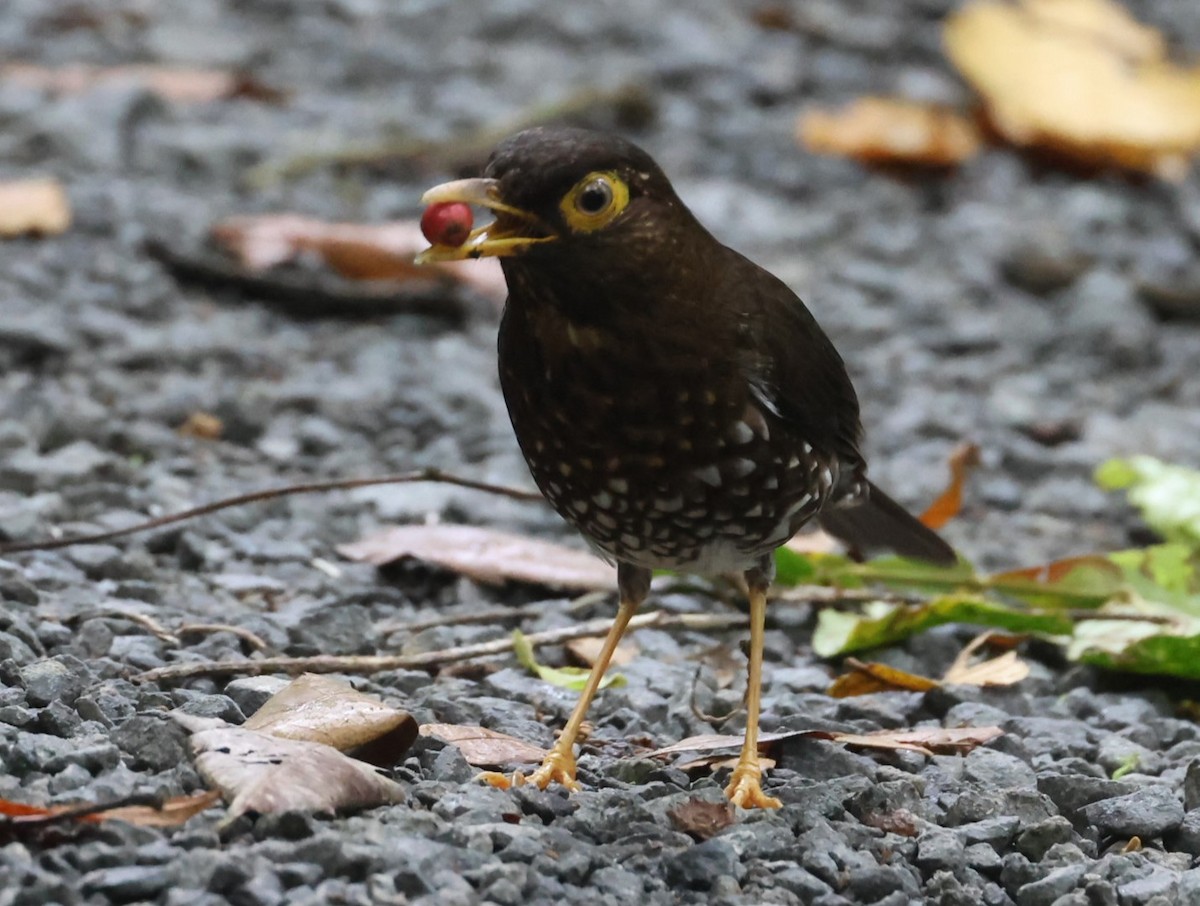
(881, 523)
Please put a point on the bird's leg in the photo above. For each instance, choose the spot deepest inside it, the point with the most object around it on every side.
(559, 765)
(745, 787)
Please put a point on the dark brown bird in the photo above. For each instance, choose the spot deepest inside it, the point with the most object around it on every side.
(676, 403)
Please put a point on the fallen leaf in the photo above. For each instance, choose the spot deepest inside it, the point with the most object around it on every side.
(931, 741)
(838, 632)
(203, 426)
(486, 555)
(327, 710)
(356, 251)
(865, 679)
(260, 774)
(482, 747)
(1080, 79)
(573, 678)
(962, 460)
(700, 819)
(587, 650)
(927, 741)
(1003, 670)
(33, 207)
(717, 762)
(171, 83)
(1167, 495)
(878, 130)
(901, 822)
(712, 742)
(173, 812)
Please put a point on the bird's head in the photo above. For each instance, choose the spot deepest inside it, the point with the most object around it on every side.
(572, 201)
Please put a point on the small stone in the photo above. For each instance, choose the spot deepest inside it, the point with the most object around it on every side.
(54, 679)
(939, 850)
(249, 693)
(1147, 813)
(623, 885)
(1191, 785)
(127, 883)
(1159, 883)
(1037, 838)
(1187, 837)
(983, 858)
(155, 743)
(1071, 792)
(699, 867)
(996, 832)
(1045, 891)
(993, 769)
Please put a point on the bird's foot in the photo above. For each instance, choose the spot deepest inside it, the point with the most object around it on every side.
(745, 788)
(558, 767)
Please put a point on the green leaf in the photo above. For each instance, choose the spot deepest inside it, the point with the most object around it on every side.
(1168, 496)
(1128, 765)
(882, 624)
(564, 677)
(792, 568)
(1164, 574)
(1138, 647)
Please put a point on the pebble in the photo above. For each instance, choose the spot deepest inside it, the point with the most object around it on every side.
(1146, 813)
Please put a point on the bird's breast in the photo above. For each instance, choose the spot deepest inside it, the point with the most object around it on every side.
(658, 458)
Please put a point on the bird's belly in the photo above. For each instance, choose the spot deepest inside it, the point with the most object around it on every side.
(705, 487)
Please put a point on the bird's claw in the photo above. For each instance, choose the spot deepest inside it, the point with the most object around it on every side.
(745, 789)
(557, 768)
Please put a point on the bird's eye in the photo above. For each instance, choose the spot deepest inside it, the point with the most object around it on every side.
(594, 197)
(594, 201)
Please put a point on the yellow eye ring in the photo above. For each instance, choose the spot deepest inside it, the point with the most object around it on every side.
(594, 201)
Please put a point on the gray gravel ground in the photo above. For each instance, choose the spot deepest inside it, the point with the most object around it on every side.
(1004, 303)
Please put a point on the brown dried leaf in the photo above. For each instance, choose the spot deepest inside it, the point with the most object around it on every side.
(1080, 79)
(33, 206)
(926, 740)
(176, 83)
(330, 711)
(357, 251)
(716, 762)
(901, 822)
(701, 819)
(715, 742)
(261, 774)
(586, 651)
(486, 555)
(876, 130)
(867, 678)
(962, 460)
(173, 813)
(485, 748)
(202, 425)
(1004, 670)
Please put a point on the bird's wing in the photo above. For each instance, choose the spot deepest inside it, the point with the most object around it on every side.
(792, 368)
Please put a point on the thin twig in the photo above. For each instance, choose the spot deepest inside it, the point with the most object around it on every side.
(833, 596)
(365, 664)
(317, 487)
(146, 621)
(497, 615)
(252, 639)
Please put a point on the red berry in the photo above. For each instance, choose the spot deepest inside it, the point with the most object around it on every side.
(447, 223)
